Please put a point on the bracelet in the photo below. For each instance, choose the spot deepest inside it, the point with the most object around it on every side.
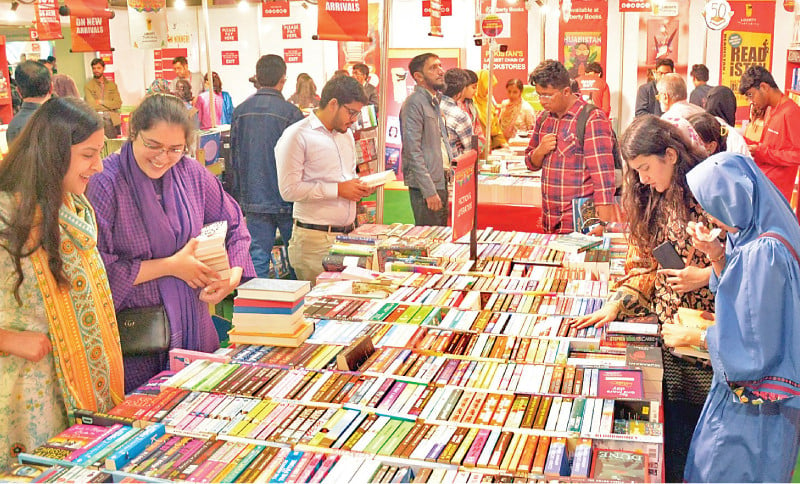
(703, 338)
(722, 256)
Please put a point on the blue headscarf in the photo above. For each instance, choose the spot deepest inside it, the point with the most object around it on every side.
(755, 344)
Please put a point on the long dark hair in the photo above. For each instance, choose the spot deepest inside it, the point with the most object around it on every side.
(648, 210)
(33, 172)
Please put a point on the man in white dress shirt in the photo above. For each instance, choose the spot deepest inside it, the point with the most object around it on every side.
(316, 164)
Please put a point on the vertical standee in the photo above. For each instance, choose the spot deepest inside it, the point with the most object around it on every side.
(473, 234)
(211, 98)
(622, 22)
(386, 9)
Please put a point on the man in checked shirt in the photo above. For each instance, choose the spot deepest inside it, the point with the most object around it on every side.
(568, 170)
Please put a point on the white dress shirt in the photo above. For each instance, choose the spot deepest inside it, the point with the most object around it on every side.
(311, 161)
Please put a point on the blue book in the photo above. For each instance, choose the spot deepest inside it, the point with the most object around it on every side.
(136, 446)
(287, 466)
(268, 310)
(92, 454)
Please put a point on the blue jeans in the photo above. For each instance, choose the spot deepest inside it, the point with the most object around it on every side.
(262, 227)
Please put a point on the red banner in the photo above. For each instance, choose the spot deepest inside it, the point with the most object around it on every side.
(464, 196)
(275, 8)
(89, 34)
(88, 8)
(342, 20)
(6, 113)
(446, 8)
(291, 31)
(162, 60)
(747, 41)
(635, 6)
(436, 18)
(230, 57)
(229, 34)
(583, 36)
(293, 56)
(48, 23)
(513, 63)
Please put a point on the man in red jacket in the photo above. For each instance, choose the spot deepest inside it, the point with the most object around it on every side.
(778, 152)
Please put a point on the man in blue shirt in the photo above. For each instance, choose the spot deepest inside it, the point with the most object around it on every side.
(257, 125)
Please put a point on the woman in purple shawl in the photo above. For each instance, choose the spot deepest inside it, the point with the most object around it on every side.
(151, 201)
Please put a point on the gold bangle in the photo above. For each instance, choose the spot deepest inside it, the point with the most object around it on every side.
(722, 256)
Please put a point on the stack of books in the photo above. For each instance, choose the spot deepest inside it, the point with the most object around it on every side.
(211, 248)
(270, 312)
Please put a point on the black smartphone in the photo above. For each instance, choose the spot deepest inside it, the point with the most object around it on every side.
(668, 257)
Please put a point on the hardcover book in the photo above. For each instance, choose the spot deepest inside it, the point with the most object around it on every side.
(273, 289)
(619, 465)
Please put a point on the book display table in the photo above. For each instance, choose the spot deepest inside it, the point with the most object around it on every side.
(458, 372)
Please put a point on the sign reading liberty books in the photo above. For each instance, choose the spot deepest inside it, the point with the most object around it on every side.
(275, 8)
(230, 57)
(229, 34)
(464, 196)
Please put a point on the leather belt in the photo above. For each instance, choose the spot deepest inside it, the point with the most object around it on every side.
(326, 228)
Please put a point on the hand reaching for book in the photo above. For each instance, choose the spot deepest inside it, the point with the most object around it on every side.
(599, 318)
(679, 335)
(186, 267)
(217, 290)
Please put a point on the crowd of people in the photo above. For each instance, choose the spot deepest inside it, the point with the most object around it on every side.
(85, 239)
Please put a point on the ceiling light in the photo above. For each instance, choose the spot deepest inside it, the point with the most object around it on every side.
(179, 5)
(243, 5)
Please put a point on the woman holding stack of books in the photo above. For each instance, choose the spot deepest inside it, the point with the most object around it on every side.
(59, 346)
(659, 205)
(151, 201)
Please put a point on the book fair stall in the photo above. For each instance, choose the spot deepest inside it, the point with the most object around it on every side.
(421, 353)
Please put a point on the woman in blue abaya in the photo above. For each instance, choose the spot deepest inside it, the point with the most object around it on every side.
(750, 424)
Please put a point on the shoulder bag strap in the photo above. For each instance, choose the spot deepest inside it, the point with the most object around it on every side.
(784, 241)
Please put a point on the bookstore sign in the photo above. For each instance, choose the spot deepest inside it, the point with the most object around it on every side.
(464, 195)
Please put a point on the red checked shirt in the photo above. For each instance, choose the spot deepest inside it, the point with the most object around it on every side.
(566, 173)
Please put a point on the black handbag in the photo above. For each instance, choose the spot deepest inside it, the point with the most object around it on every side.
(143, 331)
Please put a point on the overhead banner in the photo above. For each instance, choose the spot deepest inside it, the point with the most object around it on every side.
(88, 8)
(344, 20)
(89, 34)
(364, 52)
(513, 63)
(583, 35)
(746, 42)
(664, 33)
(48, 23)
(147, 21)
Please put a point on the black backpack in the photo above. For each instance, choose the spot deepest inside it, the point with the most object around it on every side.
(583, 117)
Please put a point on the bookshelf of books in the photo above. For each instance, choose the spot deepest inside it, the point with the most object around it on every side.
(443, 370)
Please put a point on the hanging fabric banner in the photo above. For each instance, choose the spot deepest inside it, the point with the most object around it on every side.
(583, 35)
(88, 8)
(89, 34)
(746, 42)
(48, 23)
(513, 62)
(147, 22)
(436, 18)
(342, 20)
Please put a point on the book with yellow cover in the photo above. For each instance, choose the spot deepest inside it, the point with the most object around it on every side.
(273, 339)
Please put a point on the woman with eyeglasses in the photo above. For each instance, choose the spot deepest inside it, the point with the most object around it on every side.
(151, 202)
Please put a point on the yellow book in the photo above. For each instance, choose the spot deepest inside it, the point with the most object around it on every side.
(271, 339)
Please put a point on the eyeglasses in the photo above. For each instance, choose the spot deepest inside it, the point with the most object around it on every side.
(353, 113)
(547, 97)
(160, 150)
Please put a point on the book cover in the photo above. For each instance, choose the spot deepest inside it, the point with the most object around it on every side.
(273, 289)
(619, 465)
(620, 384)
